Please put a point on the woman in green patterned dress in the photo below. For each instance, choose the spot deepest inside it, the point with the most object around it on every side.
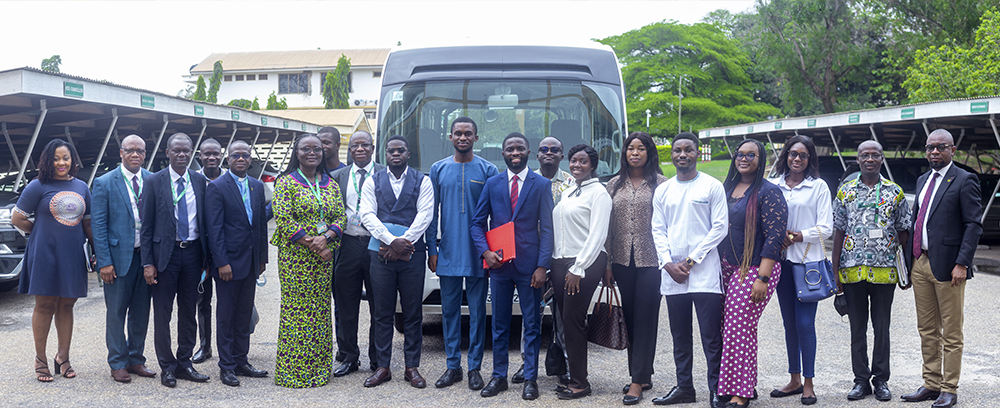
(310, 216)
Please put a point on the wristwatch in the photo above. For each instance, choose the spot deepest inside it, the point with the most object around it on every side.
(689, 261)
(763, 278)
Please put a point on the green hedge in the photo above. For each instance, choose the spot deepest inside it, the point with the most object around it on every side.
(664, 153)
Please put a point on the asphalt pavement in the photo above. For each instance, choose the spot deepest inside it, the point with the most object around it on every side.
(94, 387)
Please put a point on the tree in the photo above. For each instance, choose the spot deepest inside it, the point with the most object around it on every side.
(186, 93)
(709, 68)
(52, 63)
(241, 103)
(954, 71)
(274, 104)
(215, 83)
(255, 105)
(199, 92)
(336, 87)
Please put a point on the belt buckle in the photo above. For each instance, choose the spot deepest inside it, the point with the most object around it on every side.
(184, 244)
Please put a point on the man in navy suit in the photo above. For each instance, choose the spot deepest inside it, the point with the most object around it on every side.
(237, 238)
(116, 245)
(523, 197)
(173, 256)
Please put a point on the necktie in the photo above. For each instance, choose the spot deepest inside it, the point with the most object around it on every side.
(513, 194)
(245, 193)
(138, 200)
(182, 211)
(918, 233)
(361, 183)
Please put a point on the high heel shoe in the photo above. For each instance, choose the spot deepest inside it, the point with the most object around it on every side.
(42, 373)
(68, 372)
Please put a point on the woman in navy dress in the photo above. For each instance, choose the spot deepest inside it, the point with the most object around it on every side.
(55, 265)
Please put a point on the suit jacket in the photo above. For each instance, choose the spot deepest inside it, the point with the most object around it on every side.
(532, 219)
(342, 177)
(232, 238)
(113, 222)
(953, 222)
(159, 227)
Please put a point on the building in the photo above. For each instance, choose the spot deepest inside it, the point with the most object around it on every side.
(347, 121)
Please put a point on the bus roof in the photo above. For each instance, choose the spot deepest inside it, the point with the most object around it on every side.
(501, 62)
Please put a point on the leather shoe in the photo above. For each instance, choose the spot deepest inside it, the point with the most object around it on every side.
(450, 377)
(191, 374)
(202, 355)
(645, 387)
(860, 391)
(121, 375)
(676, 395)
(922, 394)
(413, 376)
(345, 369)
(476, 382)
(140, 370)
(714, 401)
(518, 377)
(945, 399)
(494, 387)
(881, 391)
(808, 400)
(382, 374)
(229, 377)
(168, 379)
(568, 394)
(247, 370)
(530, 391)
(777, 393)
(631, 399)
(564, 379)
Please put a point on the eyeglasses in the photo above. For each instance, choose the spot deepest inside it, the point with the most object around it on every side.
(134, 151)
(365, 146)
(939, 147)
(871, 156)
(546, 150)
(797, 155)
(748, 156)
(306, 150)
(237, 156)
(395, 150)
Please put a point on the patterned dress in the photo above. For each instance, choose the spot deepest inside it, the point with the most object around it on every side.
(55, 263)
(305, 330)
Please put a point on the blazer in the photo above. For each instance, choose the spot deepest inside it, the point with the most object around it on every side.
(113, 222)
(532, 219)
(953, 222)
(159, 227)
(342, 177)
(232, 239)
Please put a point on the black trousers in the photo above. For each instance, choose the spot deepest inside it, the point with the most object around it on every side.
(574, 311)
(879, 296)
(640, 290)
(406, 279)
(179, 281)
(353, 269)
(235, 306)
(204, 313)
(709, 307)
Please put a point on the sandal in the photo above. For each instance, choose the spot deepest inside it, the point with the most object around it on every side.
(68, 372)
(42, 373)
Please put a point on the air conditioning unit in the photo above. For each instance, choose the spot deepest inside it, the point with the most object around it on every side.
(357, 102)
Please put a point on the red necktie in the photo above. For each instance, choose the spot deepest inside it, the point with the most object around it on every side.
(918, 233)
(513, 194)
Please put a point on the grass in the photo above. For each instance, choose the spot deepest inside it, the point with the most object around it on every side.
(715, 168)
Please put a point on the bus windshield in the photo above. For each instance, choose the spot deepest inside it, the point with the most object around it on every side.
(572, 111)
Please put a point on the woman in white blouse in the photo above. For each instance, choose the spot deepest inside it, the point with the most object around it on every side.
(580, 222)
(810, 221)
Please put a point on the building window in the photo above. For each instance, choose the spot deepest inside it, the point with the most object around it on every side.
(377, 74)
(239, 77)
(293, 83)
(251, 77)
(350, 80)
(227, 78)
(262, 77)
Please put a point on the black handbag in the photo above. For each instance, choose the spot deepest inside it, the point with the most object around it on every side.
(555, 360)
(814, 281)
(840, 304)
(606, 325)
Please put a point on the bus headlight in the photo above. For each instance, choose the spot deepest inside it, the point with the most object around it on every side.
(5, 216)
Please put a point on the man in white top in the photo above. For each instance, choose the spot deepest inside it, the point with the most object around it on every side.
(396, 208)
(690, 219)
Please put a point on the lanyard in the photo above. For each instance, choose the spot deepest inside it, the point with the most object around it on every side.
(878, 199)
(128, 184)
(357, 189)
(314, 189)
(173, 187)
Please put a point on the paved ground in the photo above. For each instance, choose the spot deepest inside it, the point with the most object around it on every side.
(94, 386)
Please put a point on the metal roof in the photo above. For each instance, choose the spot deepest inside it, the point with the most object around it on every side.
(290, 60)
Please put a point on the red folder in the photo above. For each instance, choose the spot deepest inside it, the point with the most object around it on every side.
(501, 241)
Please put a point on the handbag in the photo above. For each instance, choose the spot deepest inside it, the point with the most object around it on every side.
(606, 324)
(814, 281)
(840, 305)
(555, 360)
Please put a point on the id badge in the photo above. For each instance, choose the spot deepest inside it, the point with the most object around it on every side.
(320, 228)
(138, 225)
(875, 233)
(354, 221)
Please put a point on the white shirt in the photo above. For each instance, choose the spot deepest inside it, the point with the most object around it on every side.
(369, 208)
(354, 198)
(222, 172)
(810, 207)
(520, 180)
(135, 206)
(192, 205)
(690, 219)
(920, 199)
(580, 222)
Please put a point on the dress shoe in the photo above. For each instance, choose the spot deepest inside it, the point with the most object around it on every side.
(247, 370)
(140, 370)
(530, 391)
(202, 355)
(776, 393)
(382, 374)
(714, 401)
(345, 369)
(121, 375)
(631, 399)
(645, 387)
(881, 391)
(168, 379)
(945, 399)
(476, 382)
(413, 376)
(191, 374)
(568, 394)
(494, 387)
(808, 400)
(229, 377)
(518, 377)
(677, 395)
(450, 377)
(860, 391)
(922, 394)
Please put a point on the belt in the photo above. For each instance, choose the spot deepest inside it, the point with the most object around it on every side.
(185, 244)
(362, 238)
(136, 250)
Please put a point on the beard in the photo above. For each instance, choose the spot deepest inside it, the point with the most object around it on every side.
(938, 165)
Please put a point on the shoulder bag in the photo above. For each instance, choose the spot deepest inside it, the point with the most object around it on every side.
(606, 325)
(814, 281)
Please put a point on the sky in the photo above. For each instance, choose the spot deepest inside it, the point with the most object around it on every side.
(151, 45)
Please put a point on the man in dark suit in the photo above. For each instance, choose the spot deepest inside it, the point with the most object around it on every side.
(946, 230)
(523, 197)
(237, 238)
(353, 262)
(210, 154)
(173, 256)
(116, 245)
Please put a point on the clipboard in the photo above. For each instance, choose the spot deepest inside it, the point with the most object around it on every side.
(501, 240)
(394, 229)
